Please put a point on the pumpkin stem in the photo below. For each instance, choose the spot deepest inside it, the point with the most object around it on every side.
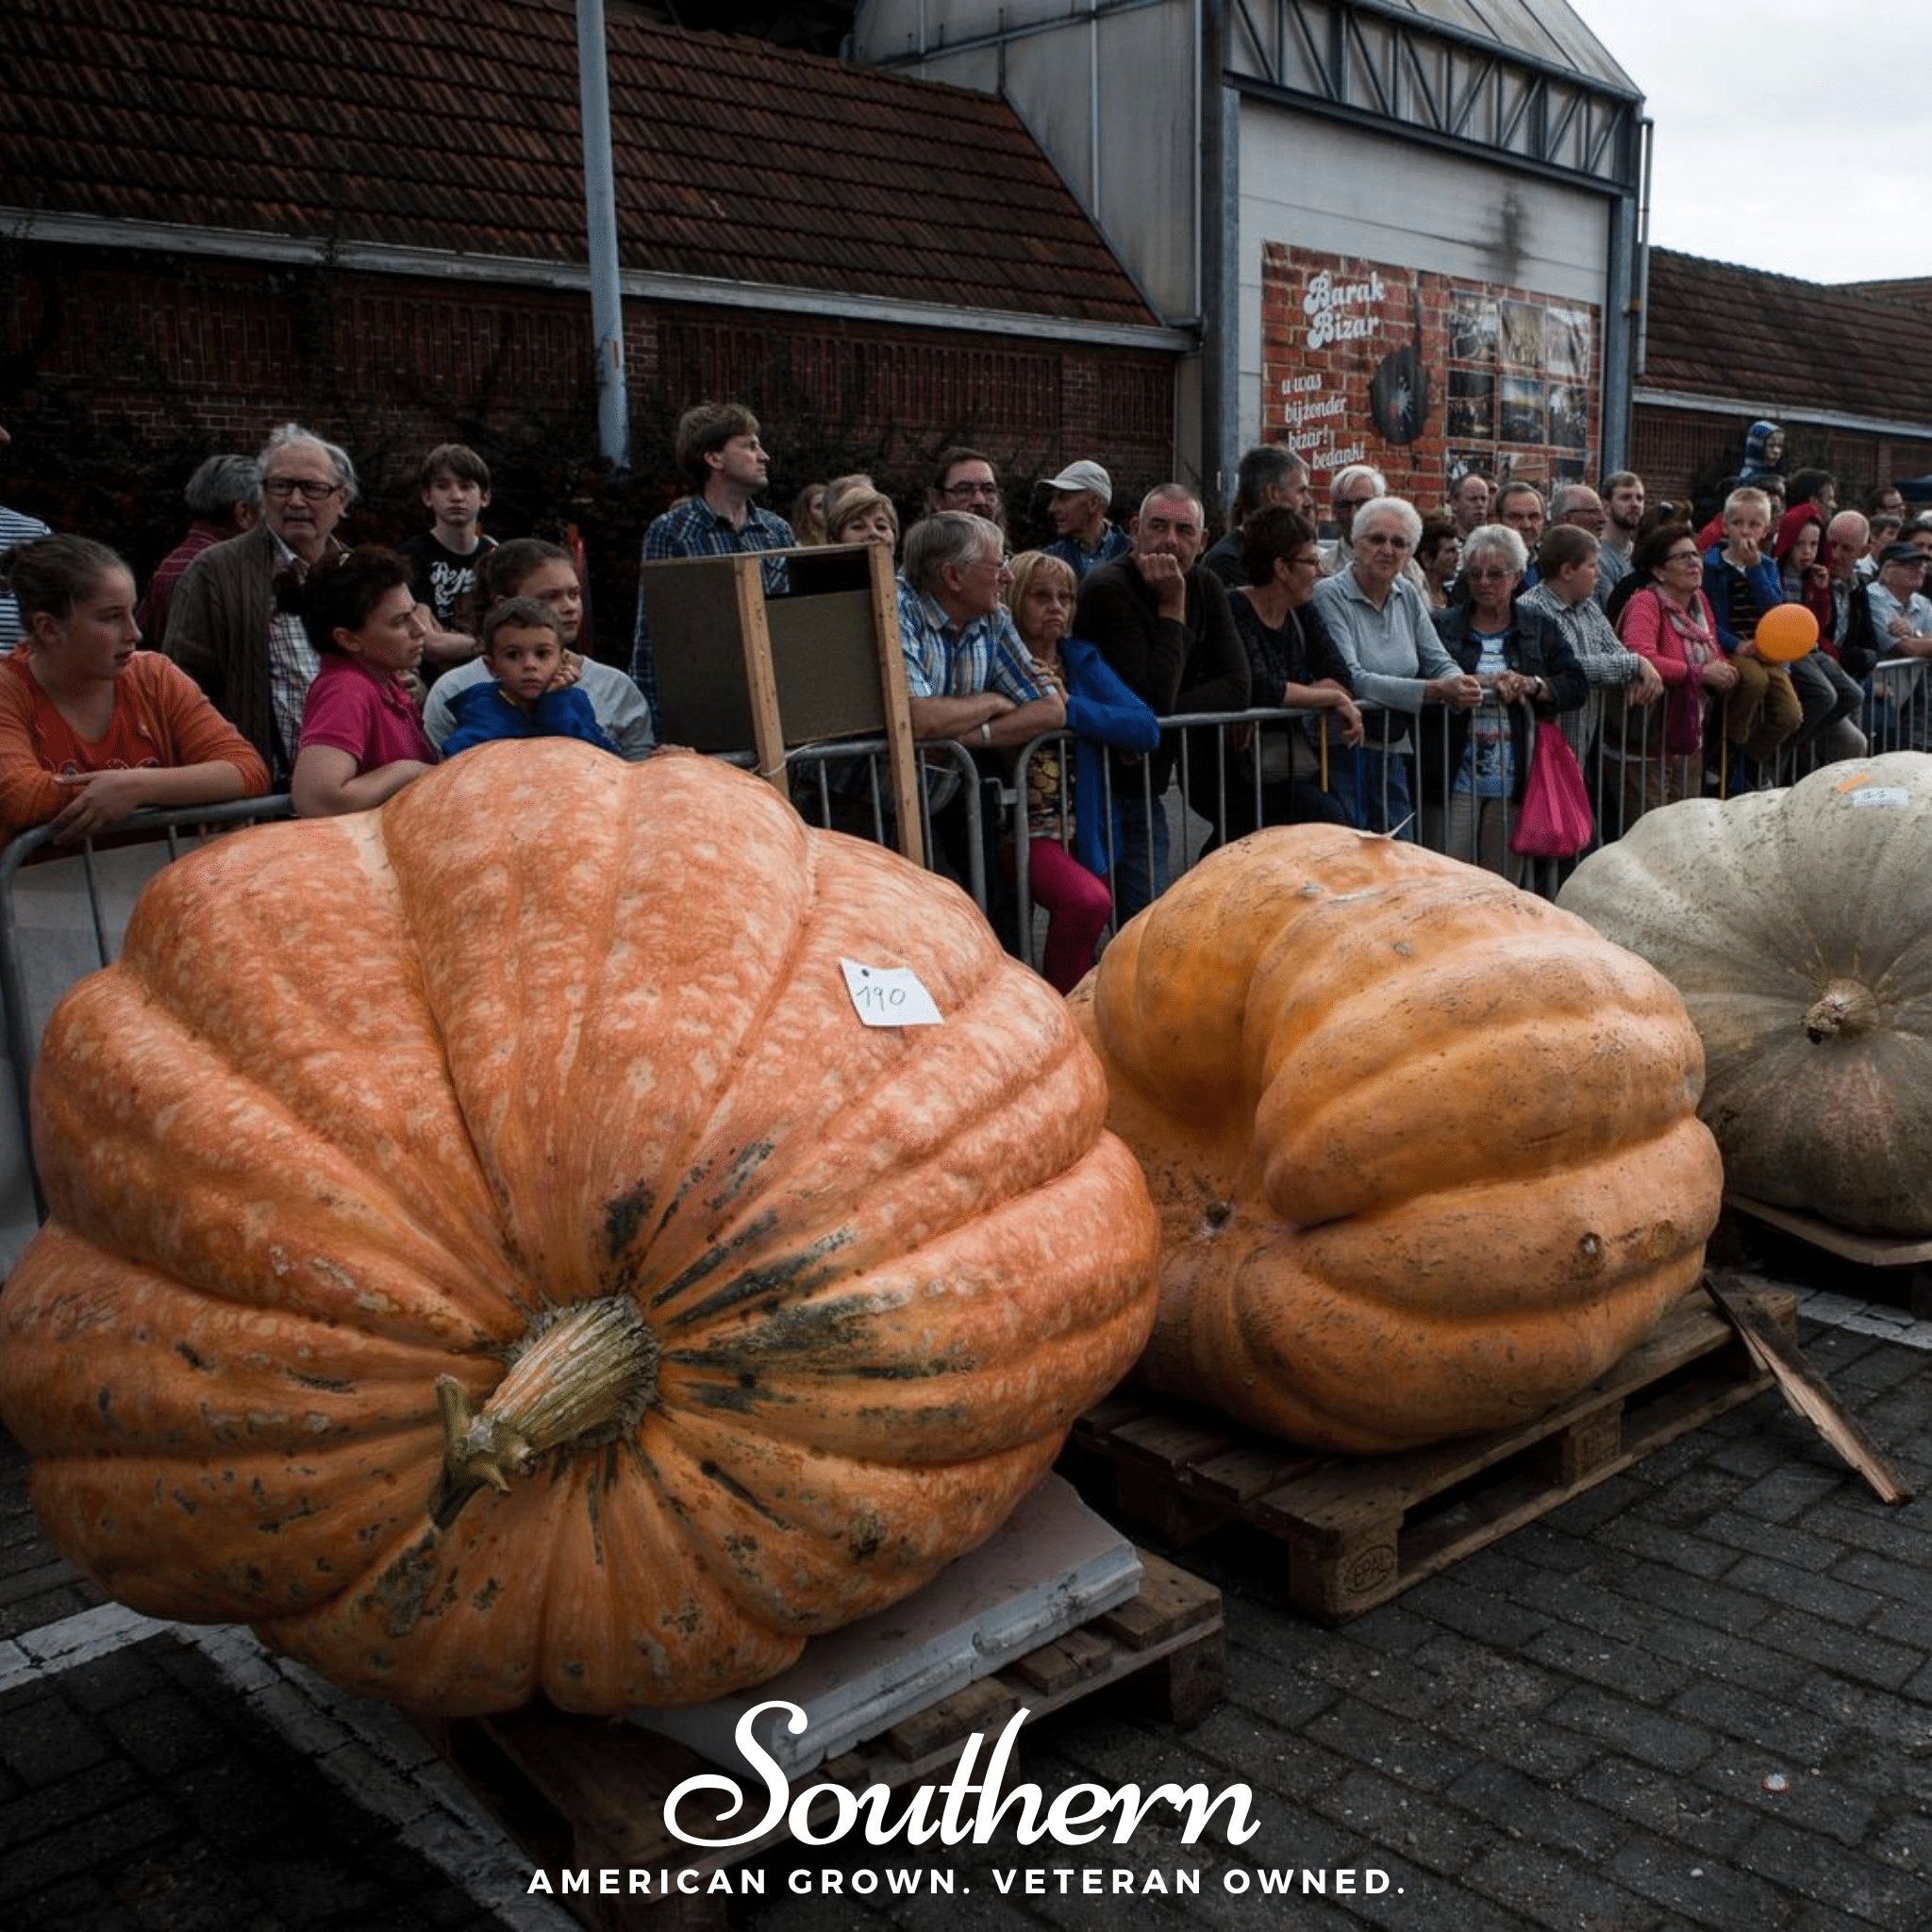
(582, 1377)
(1846, 1008)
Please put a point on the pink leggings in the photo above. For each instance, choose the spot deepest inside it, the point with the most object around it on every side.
(1077, 909)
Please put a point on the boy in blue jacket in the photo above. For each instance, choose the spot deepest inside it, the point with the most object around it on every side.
(522, 647)
(1741, 579)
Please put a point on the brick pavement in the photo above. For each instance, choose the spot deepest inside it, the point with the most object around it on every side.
(1697, 1696)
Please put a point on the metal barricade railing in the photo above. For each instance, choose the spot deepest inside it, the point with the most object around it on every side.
(1220, 779)
(1897, 697)
(846, 786)
(62, 912)
(1631, 758)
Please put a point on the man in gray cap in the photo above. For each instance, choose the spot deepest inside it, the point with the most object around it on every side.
(1082, 493)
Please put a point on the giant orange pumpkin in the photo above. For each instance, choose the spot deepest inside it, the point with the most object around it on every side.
(1426, 1150)
(489, 1255)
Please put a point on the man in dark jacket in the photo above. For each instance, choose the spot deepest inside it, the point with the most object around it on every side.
(1163, 624)
(225, 629)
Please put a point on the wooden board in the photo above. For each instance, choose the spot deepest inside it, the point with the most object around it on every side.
(581, 1794)
(1869, 1250)
(1351, 1533)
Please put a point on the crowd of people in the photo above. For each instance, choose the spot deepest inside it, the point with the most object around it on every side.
(1417, 651)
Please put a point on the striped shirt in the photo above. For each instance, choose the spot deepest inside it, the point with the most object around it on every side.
(14, 528)
(1605, 659)
(945, 660)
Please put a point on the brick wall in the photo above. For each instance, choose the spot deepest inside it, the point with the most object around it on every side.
(173, 352)
(1511, 377)
(1682, 454)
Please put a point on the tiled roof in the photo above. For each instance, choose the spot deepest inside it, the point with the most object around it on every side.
(1901, 289)
(1720, 330)
(452, 124)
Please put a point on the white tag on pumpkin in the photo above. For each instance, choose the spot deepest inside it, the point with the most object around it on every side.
(1893, 795)
(889, 995)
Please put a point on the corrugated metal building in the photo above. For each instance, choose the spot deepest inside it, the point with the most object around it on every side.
(1317, 187)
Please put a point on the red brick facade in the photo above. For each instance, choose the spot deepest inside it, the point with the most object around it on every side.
(223, 349)
(1513, 377)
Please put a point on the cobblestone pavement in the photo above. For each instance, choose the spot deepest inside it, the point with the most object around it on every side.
(1699, 1696)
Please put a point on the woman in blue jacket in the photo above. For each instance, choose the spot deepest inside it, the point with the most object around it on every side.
(1101, 710)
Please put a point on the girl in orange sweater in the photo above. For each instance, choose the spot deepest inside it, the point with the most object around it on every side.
(92, 728)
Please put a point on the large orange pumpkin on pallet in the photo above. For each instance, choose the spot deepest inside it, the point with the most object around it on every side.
(489, 1255)
(1425, 1149)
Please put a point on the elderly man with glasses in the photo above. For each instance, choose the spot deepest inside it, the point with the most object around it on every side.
(968, 676)
(1348, 490)
(254, 660)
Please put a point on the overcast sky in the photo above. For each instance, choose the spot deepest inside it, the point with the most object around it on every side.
(1788, 135)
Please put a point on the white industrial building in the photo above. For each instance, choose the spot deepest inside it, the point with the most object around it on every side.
(1314, 186)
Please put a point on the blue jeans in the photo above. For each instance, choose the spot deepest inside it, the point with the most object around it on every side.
(1373, 786)
(1139, 875)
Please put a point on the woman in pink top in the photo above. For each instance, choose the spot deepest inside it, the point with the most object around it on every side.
(1670, 620)
(362, 738)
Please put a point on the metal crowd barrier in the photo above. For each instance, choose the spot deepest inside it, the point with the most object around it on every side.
(61, 917)
(846, 786)
(1626, 760)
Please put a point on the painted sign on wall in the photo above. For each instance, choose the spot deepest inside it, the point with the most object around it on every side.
(1425, 375)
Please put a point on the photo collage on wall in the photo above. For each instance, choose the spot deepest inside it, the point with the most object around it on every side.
(1519, 389)
(1423, 375)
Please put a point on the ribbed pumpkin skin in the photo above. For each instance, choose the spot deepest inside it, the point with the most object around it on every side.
(1424, 1149)
(1759, 908)
(363, 1095)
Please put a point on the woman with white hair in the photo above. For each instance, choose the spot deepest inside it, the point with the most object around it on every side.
(1474, 776)
(1380, 623)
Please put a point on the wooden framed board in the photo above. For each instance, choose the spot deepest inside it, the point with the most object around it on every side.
(741, 669)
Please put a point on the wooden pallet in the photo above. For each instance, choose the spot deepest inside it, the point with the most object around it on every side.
(1904, 1262)
(1355, 1532)
(580, 1794)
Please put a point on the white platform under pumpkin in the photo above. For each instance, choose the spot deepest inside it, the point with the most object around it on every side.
(1051, 1567)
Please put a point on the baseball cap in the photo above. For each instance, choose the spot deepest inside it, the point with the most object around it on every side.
(1901, 553)
(1084, 475)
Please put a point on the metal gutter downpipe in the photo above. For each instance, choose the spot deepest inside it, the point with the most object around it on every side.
(1649, 129)
(1220, 262)
(1620, 333)
(600, 216)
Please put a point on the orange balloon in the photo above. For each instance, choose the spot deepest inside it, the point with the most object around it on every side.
(1784, 633)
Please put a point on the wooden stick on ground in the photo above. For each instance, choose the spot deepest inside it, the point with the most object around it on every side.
(1801, 1386)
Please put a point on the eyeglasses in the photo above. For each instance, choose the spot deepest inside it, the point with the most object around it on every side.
(1495, 574)
(1685, 556)
(283, 488)
(1384, 537)
(1353, 502)
(1000, 566)
(1309, 560)
(969, 493)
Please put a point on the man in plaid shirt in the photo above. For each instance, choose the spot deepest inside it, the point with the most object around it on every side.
(719, 453)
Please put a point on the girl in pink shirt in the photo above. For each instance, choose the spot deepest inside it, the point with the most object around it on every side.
(362, 738)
